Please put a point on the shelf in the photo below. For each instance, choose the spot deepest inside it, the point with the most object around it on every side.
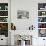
(3, 22)
(3, 16)
(41, 22)
(41, 28)
(4, 19)
(41, 10)
(42, 19)
(42, 16)
(3, 10)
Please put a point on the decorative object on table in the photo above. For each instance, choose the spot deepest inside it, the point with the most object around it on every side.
(24, 37)
(31, 27)
(23, 40)
(13, 27)
(22, 14)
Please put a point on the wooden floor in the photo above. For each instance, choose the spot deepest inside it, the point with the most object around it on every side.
(3, 45)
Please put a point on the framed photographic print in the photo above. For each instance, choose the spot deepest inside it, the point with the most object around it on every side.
(22, 14)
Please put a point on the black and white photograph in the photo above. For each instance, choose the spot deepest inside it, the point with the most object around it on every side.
(22, 14)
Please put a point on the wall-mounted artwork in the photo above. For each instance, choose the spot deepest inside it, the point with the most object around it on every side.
(22, 14)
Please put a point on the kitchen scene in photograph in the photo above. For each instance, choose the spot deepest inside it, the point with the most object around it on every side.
(42, 32)
(22, 14)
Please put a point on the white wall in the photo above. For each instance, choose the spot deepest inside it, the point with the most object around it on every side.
(28, 5)
(23, 24)
(3, 1)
